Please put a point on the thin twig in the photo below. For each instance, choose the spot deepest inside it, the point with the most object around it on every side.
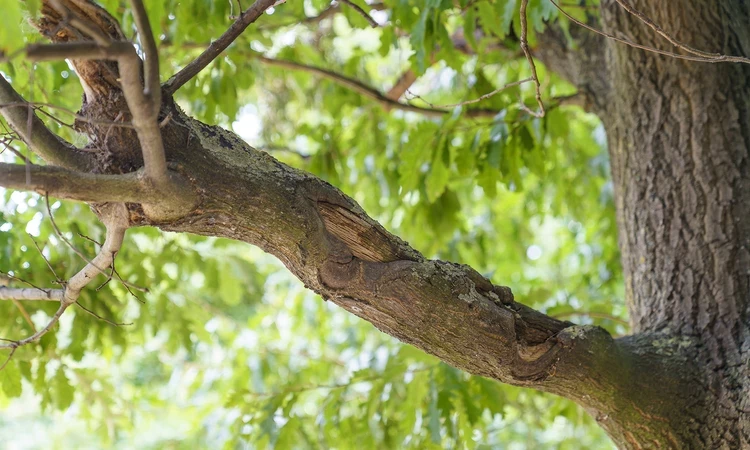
(717, 59)
(37, 106)
(530, 59)
(478, 99)
(24, 314)
(218, 46)
(370, 92)
(12, 351)
(103, 319)
(681, 45)
(46, 261)
(373, 23)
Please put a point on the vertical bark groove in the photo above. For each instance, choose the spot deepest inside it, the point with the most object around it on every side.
(678, 139)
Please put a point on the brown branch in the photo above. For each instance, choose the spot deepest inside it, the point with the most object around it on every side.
(142, 105)
(530, 59)
(402, 85)
(81, 186)
(214, 50)
(370, 92)
(145, 102)
(373, 23)
(478, 99)
(36, 135)
(151, 86)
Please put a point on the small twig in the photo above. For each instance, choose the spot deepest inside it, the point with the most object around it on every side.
(370, 92)
(530, 59)
(218, 46)
(115, 218)
(81, 235)
(24, 314)
(12, 351)
(15, 278)
(475, 100)
(37, 106)
(373, 23)
(681, 45)
(716, 59)
(103, 319)
(46, 261)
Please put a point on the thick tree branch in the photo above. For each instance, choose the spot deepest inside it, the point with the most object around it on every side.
(331, 245)
(36, 135)
(214, 50)
(86, 187)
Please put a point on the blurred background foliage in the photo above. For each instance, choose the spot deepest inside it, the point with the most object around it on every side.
(226, 349)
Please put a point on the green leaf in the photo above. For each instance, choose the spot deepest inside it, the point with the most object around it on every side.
(64, 392)
(439, 173)
(10, 379)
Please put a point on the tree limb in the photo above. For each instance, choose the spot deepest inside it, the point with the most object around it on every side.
(214, 50)
(36, 135)
(370, 92)
(115, 217)
(86, 187)
(54, 295)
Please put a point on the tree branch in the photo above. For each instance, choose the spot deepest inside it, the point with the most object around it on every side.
(151, 86)
(214, 50)
(372, 93)
(86, 187)
(373, 23)
(530, 59)
(36, 135)
(145, 103)
(115, 217)
(54, 295)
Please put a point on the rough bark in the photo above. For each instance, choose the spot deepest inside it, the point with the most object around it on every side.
(678, 138)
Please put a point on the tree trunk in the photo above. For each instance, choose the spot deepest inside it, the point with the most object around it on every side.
(678, 134)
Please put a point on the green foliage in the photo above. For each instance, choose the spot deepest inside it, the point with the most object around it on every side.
(227, 349)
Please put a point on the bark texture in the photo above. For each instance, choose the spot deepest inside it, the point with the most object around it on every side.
(679, 133)
(678, 139)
